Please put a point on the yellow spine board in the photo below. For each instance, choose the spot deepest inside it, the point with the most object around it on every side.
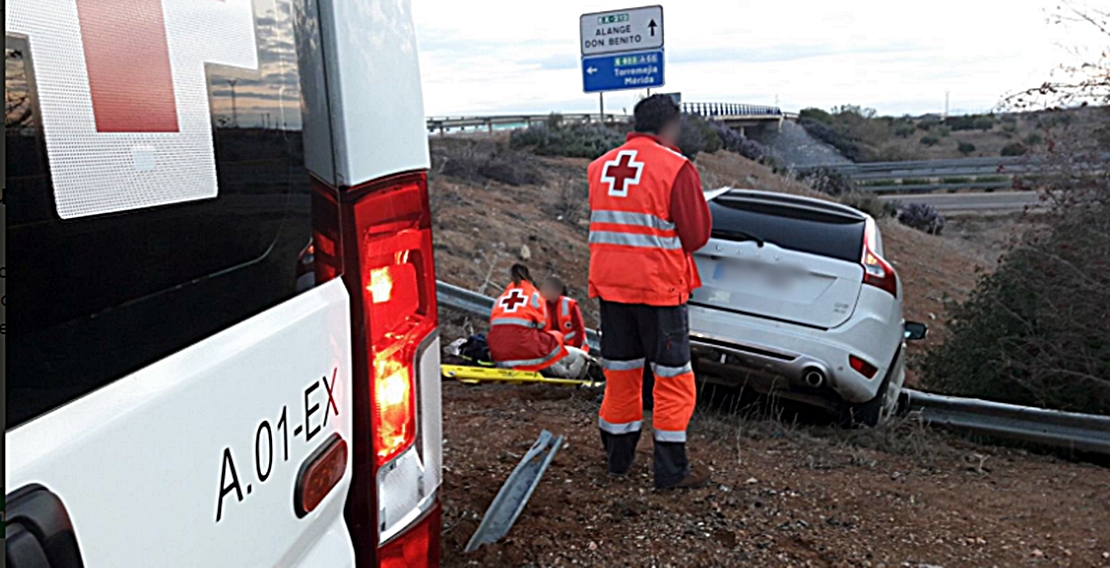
(474, 375)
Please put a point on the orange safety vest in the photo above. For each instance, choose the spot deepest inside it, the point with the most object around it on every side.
(523, 307)
(636, 256)
(564, 317)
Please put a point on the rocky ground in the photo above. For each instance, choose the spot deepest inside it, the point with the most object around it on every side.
(782, 494)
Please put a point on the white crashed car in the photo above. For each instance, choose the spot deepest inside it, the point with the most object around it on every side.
(797, 300)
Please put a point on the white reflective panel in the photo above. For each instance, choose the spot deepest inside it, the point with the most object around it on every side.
(124, 160)
(374, 94)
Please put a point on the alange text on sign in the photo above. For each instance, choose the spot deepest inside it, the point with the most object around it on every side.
(634, 29)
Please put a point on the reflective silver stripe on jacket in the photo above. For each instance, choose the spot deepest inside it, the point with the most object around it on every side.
(566, 307)
(670, 436)
(622, 428)
(536, 300)
(623, 365)
(635, 240)
(635, 219)
(531, 362)
(518, 321)
(668, 372)
(570, 335)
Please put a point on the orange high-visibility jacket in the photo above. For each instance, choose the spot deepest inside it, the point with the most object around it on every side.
(517, 338)
(566, 317)
(636, 256)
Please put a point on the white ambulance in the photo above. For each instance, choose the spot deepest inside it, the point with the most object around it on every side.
(180, 392)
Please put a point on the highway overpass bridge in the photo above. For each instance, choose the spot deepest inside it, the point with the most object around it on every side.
(741, 117)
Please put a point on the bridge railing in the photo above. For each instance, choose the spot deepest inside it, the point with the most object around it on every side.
(708, 110)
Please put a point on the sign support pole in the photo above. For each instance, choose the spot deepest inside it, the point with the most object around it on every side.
(601, 98)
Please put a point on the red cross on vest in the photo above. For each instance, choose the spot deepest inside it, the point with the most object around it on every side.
(622, 172)
(513, 301)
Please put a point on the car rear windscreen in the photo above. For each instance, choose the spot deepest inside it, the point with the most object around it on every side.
(799, 228)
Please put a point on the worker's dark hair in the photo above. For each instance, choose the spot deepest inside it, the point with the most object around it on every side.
(554, 282)
(653, 113)
(520, 273)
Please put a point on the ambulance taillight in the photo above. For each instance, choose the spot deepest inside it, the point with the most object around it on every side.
(378, 237)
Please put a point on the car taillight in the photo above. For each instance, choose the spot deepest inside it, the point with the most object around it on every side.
(862, 367)
(877, 271)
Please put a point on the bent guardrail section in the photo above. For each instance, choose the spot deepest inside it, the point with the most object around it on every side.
(513, 496)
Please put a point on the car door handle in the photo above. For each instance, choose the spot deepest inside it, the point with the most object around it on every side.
(38, 532)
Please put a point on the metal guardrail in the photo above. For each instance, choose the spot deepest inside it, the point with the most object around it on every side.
(731, 109)
(1068, 430)
(512, 497)
(912, 165)
(922, 188)
(452, 123)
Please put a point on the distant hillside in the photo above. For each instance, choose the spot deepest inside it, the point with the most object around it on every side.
(862, 136)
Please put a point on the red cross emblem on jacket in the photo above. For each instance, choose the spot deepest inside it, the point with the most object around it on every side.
(513, 300)
(622, 173)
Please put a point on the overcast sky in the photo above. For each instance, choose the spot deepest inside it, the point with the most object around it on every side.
(495, 56)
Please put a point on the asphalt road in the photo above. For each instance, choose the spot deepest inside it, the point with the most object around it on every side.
(993, 201)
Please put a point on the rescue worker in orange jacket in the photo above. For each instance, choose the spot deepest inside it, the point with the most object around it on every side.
(648, 215)
(518, 337)
(563, 314)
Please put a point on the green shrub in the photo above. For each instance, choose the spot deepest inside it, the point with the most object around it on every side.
(692, 139)
(971, 122)
(916, 181)
(572, 140)
(1014, 149)
(921, 216)
(1034, 331)
(828, 181)
(483, 160)
(986, 179)
(930, 140)
(815, 114)
(944, 131)
(905, 131)
(966, 148)
(867, 202)
(1033, 139)
(838, 138)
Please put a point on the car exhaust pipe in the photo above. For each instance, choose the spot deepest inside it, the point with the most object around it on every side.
(813, 377)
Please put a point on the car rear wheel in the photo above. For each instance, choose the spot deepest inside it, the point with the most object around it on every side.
(885, 404)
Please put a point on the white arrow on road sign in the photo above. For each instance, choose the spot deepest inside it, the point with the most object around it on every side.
(591, 70)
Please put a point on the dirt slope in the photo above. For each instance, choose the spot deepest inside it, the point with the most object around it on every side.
(781, 495)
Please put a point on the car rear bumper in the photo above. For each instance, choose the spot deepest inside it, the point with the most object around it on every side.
(793, 351)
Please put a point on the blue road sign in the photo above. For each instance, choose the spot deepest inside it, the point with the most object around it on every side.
(623, 71)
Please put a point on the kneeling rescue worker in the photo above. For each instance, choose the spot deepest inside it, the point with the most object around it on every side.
(563, 314)
(648, 215)
(518, 338)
